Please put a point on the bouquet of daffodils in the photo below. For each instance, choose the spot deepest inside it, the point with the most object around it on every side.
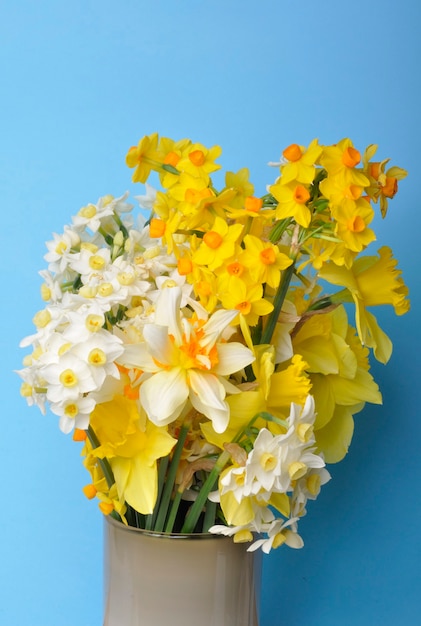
(192, 349)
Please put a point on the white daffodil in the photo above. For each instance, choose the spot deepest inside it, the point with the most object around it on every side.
(92, 216)
(74, 413)
(89, 262)
(234, 480)
(68, 378)
(279, 532)
(264, 462)
(147, 201)
(100, 352)
(60, 249)
(183, 359)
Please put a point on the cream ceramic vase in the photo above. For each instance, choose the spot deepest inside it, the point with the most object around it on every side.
(160, 579)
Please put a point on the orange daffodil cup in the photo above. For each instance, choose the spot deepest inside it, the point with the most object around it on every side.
(194, 354)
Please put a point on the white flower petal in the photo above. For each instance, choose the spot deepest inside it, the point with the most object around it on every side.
(215, 326)
(137, 355)
(206, 396)
(164, 395)
(159, 344)
(167, 312)
(232, 357)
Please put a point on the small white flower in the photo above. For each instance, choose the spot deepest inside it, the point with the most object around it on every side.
(147, 201)
(74, 413)
(68, 378)
(60, 249)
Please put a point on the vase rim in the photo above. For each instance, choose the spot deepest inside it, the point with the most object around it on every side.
(158, 534)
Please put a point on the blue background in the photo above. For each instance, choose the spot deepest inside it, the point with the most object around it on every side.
(82, 81)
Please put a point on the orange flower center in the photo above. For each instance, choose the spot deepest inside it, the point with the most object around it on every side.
(212, 239)
(79, 435)
(235, 269)
(171, 158)
(191, 349)
(193, 196)
(356, 224)
(293, 152)
(267, 256)
(156, 227)
(353, 191)
(351, 157)
(390, 188)
(90, 491)
(253, 204)
(197, 158)
(374, 170)
(203, 288)
(184, 266)
(301, 194)
(244, 307)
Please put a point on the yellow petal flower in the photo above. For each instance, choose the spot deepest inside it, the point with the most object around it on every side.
(334, 439)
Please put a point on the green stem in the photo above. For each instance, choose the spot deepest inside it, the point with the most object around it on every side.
(173, 511)
(104, 463)
(210, 514)
(277, 304)
(169, 483)
(162, 470)
(197, 507)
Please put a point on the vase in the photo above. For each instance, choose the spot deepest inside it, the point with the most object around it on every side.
(161, 579)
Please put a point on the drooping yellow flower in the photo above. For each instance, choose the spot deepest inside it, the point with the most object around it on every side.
(338, 369)
(143, 158)
(169, 154)
(239, 181)
(383, 183)
(132, 444)
(371, 281)
(334, 439)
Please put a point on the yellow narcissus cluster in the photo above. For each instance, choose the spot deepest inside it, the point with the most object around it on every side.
(198, 354)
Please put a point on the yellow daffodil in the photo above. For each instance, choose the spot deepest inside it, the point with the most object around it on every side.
(340, 162)
(371, 281)
(143, 158)
(339, 375)
(239, 181)
(292, 202)
(383, 182)
(244, 298)
(300, 163)
(352, 220)
(133, 445)
(199, 161)
(264, 261)
(218, 244)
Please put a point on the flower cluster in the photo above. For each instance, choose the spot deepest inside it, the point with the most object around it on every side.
(195, 353)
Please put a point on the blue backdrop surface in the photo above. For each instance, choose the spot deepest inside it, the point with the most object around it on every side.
(84, 80)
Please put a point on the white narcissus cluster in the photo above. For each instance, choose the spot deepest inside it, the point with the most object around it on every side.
(92, 275)
(281, 471)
